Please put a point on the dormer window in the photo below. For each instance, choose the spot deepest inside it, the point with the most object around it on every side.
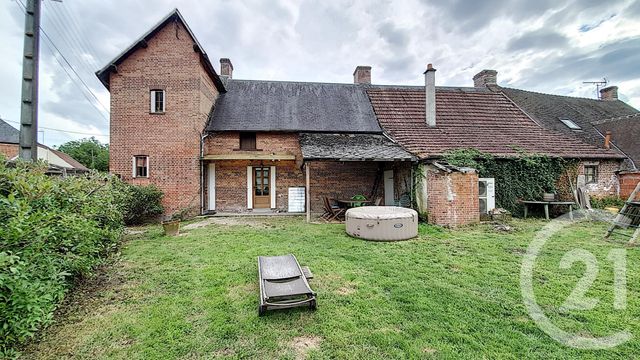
(157, 101)
(570, 124)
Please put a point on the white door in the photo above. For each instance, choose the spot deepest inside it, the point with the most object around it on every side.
(212, 186)
(389, 199)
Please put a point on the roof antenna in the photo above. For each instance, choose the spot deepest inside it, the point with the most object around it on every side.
(599, 85)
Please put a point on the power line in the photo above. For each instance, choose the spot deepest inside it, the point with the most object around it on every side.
(54, 129)
(23, 8)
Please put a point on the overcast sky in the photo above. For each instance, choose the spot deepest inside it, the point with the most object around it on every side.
(542, 45)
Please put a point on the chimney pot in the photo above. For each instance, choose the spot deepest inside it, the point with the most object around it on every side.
(362, 75)
(226, 67)
(610, 93)
(485, 78)
(430, 95)
(607, 140)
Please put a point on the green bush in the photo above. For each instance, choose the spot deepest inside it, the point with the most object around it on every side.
(606, 201)
(53, 230)
(142, 203)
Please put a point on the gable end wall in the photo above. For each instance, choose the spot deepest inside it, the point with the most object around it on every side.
(171, 140)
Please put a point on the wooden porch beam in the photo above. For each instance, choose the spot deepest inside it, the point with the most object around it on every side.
(244, 156)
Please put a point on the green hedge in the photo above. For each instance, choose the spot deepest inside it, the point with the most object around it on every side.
(53, 230)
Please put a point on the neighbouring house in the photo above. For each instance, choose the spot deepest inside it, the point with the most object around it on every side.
(9, 140)
(215, 143)
(59, 162)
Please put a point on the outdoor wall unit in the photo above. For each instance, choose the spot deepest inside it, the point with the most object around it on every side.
(487, 194)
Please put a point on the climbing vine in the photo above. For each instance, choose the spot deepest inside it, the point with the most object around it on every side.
(525, 176)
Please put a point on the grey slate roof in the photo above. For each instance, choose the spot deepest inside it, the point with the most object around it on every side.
(351, 147)
(8, 134)
(250, 105)
(547, 109)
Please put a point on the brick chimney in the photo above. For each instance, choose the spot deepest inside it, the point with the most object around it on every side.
(430, 95)
(362, 75)
(485, 78)
(609, 93)
(607, 140)
(226, 68)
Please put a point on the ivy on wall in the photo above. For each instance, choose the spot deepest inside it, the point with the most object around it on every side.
(525, 176)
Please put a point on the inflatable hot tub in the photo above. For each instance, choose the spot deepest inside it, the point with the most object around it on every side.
(382, 223)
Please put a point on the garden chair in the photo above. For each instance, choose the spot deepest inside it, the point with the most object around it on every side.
(331, 212)
(283, 284)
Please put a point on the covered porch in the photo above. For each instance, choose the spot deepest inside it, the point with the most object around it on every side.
(340, 166)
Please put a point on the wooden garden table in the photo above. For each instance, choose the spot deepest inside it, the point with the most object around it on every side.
(546, 206)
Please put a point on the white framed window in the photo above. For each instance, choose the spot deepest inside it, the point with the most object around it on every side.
(157, 97)
(141, 166)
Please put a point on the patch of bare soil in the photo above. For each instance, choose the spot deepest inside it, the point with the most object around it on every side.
(240, 292)
(227, 221)
(223, 353)
(429, 350)
(303, 344)
(347, 289)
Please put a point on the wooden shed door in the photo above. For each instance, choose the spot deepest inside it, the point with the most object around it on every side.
(261, 186)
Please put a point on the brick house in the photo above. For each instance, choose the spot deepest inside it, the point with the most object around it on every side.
(215, 143)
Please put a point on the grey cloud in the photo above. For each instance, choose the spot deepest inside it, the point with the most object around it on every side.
(396, 38)
(617, 62)
(539, 39)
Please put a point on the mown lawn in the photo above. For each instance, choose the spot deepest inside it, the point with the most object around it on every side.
(447, 294)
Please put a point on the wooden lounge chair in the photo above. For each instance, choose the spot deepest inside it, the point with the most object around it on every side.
(283, 284)
(331, 212)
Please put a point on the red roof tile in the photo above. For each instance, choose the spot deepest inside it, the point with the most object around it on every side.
(470, 118)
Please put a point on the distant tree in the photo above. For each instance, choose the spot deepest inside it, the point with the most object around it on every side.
(89, 152)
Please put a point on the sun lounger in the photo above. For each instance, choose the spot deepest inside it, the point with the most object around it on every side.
(283, 284)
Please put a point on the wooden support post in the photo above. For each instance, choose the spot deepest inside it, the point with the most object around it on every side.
(308, 192)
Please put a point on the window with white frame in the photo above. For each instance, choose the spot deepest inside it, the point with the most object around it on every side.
(140, 166)
(157, 101)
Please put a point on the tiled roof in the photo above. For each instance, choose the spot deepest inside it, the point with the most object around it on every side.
(253, 105)
(625, 134)
(354, 147)
(8, 134)
(470, 118)
(547, 109)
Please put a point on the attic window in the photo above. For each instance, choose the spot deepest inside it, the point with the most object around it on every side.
(570, 124)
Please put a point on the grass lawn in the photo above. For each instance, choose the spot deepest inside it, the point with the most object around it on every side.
(447, 294)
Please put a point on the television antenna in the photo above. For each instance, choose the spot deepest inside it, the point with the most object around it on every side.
(599, 85)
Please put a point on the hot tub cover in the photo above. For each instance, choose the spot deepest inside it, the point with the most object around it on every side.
(381, 212)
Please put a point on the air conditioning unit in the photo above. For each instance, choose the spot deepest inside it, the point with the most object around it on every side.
(487, 194)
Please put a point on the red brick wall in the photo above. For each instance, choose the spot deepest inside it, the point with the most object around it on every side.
(9, 150)
(452, 198)
(266, 143)
(607, 184)
(171, 140)
(342, 180)
(628, 182)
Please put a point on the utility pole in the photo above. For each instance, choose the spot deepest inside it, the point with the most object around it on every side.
(29, 109)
